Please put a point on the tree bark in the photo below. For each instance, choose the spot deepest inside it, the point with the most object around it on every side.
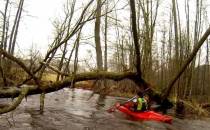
(12, 92)
(135, 37)
(4, 24)
(175, 31)
(105, 37)
(99, 58)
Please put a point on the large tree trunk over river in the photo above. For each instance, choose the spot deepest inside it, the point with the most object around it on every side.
(12, 92)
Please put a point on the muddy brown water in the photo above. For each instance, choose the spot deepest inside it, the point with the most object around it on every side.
(76, 109)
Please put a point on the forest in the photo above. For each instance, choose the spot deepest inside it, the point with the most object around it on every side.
(113, 48)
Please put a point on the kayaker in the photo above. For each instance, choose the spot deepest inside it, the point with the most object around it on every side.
(141, 102)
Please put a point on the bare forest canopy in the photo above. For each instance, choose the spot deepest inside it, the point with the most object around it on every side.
(164, 56)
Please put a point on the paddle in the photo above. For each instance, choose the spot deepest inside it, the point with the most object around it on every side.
(116, 105)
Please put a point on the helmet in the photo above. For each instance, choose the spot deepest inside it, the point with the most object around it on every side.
(140, 94)
(146, 96)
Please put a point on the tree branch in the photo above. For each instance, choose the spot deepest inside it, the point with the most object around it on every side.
(20, 63)
(54, 69)
(14, 105)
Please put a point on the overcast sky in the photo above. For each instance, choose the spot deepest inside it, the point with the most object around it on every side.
(36, 27)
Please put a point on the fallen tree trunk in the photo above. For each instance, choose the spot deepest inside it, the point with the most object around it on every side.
(11, 92)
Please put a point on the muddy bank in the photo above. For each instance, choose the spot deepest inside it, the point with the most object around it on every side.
(76, 109)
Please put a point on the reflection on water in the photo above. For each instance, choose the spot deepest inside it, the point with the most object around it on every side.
(76, 109)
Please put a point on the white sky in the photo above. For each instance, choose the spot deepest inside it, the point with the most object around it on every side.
(36, 27)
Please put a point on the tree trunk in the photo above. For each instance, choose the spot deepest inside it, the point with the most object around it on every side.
(135, 37)
(105, 37)
(14, 32)
(99, 58)
(62, 60)
(4, 24)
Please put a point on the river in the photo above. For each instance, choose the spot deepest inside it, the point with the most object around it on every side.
(77, 109)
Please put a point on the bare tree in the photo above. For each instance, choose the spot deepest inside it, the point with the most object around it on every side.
(3, 41)
(15, 27)
(70, 15)
(4, 24)
(149, 16)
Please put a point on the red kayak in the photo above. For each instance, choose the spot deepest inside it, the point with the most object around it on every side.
(147, 115)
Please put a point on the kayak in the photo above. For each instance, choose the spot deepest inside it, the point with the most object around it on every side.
(146, 115)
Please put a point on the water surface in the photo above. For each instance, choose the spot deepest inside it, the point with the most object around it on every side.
(77, 109)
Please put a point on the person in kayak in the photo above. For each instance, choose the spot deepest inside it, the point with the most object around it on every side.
(140, 104)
